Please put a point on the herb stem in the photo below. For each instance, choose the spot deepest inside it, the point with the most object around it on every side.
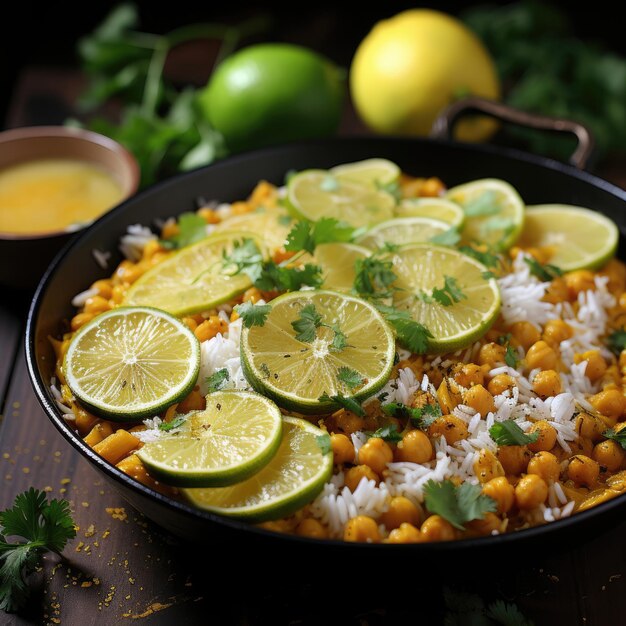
(153, 78)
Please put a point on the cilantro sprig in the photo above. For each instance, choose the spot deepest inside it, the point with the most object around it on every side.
(350, 404)
(253, 314)
(191, 229)
(450, 293)
(306, 236)
(421, 417)
(217, 380)
(617, 436)
(616, 341)
(350, 378)
(544, 272)
(508, 433)
(411, 334)
(387, 433)
(309, 321)
(177, 422)
(458, 505)
(43, 526)
(374, 277)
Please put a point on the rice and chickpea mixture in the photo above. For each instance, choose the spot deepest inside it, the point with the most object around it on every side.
(549, 370)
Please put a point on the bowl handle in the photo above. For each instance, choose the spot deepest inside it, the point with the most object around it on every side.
(442, 126)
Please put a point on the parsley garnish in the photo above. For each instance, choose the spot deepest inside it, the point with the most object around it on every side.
(307, 236)
(619, 436)
(449, 293)
(309, 321)
(449, 237)
(617, 340)
(508, 433)
(350, 378)
(488, 258)
(387, 433)
(217, 380)
(245, 257)
(487, 275)
(542, 272)
(44, 526)
(253, 314)
(421, 417)
(191, 229)
(177, 422)
(374, 277)
(349, 404)
(458, 505)
(411, 334)
(323, 441)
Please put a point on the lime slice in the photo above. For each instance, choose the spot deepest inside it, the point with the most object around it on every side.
(422, 268)
(233, 438)
(436, 208)
(293, 478)
(340, 345)
(271, 225)
(192, 280)
(403, 230)
(313, 194)
(131, 362)
(377, 172)
(578, 237)
(337, 262)
(494, 212)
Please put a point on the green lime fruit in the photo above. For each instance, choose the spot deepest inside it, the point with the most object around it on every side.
(273, 93)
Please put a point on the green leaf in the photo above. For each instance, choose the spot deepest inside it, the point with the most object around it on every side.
(191, 229)
(510, 357)
(253, 314)
(542, 272)
(307, 236)
(449, 293)
(617, 341)
(349, 377)
(177, 422)
(507, 614)
(485, 204)
(347, 403)
(373, 277)
(340, 340)
(217, 380)
(449, 237)
(458, 505)
(508, 433)
(274, 277)
(488, 258)
(387, 433)
(421, 417)
(323, 441)
(618, 436)
(246, 258)
(307, 324)
(411, 334)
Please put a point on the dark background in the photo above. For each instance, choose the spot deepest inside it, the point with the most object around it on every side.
(45, 34)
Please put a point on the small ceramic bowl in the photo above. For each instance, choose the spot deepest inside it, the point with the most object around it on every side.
(25, 257)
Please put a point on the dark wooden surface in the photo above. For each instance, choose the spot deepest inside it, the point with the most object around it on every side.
(122, 568)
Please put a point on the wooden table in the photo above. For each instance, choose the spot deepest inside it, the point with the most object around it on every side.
(121, 567)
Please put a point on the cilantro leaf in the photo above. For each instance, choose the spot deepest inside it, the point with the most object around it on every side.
(253, 314)
(350, 404)
(411, 334)
(349, 377)
(458, 505)
(542, 272)
(307, 324)
(422, 417)
(276, 278)
(387, 433)
(617, 340)
(449, 237)
(510, 357)
(449, 293)
(507, 614)
(373, 277)
(217, 380)
(323, 441)
(485, 204)
(618, 436)
(307, 236)
(191, 229)
(245, 257)
(45, 526)
(299, 237)
(488, 258)
(177, 422)
(340, 340)
(508, 433)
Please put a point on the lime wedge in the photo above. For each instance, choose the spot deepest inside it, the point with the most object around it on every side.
(436, 208)
(577, 237)
(377, 172)
(293, 478)
(193, 279)
(494, 212)
(132, 362)
(423, 270)
(313, 194)
(403, 230)
(337, 262)
(314, 344)
(233, 438)
(272, 225)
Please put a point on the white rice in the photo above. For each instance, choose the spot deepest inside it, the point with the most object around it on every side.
(135, 240)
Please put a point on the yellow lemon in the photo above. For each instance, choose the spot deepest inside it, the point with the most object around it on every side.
(411, 66)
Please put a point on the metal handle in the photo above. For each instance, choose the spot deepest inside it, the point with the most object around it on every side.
(442, 127)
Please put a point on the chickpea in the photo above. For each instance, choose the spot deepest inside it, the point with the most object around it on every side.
(406, 533)
(415, 447)
(502, 491)
(616, 271)
(170, 229)
(209, 215)
(479, 399)
(80, 319)
(449, 395)
(525, 334)
(376, 453)
(468, 374)
(547, 436)
(485, 525)
(487, 466)
(596, 365)
(589, 426)
(583, 470)
(579, 280)
(310, 527)
(491, 353)
(514, 459)
(541, 355)
(557, 291)
(361, 529)
(210, 328)
(530, 491)
(195, 401)
(128, 272)
(555, 331)
(436, 528)
(104, 288)
(609, 454)
(357, 473)
(501, 383)
(117, 294)
(609, 402)
(343, 449)
(400, 510)
(190, 323)
(252, 295)
(151, 248)
(547, 383)
(432, 188)
(451, 427)
(545, 465)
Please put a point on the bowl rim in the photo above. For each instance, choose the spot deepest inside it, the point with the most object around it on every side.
(426, 549)
(85, 135)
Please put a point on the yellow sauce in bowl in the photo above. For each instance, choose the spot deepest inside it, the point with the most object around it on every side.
(47, 195)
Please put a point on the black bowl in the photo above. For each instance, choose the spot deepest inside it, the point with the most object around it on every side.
(539, 180)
